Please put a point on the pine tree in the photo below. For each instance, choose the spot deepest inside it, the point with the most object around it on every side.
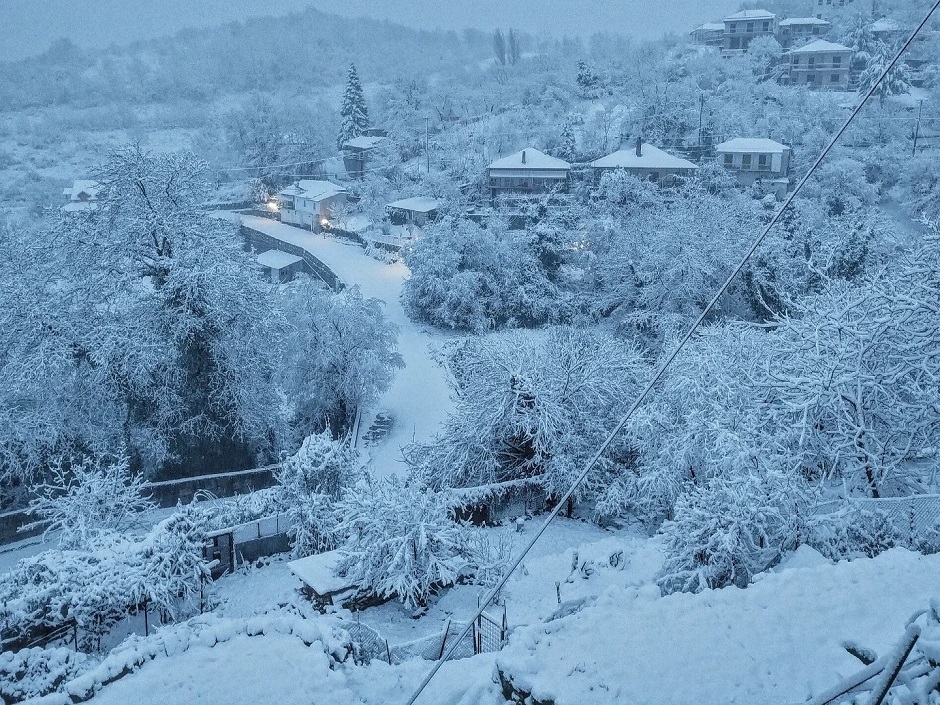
(588, 81)
(354, 113)
(568, 148)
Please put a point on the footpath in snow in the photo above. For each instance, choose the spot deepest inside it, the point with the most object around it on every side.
(419, 398)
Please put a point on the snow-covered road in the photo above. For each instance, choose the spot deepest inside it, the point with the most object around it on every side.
(419, 398)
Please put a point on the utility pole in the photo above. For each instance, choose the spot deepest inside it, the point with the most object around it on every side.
(920, 111)
(427, 151)
(701, 109)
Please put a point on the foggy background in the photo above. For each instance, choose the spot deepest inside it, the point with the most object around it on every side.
(28, 27)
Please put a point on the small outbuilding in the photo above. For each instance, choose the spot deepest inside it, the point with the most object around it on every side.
(418, 211)
(280, 266)
(81, 195)
(321, 583)
(645, 162)
(356, 152)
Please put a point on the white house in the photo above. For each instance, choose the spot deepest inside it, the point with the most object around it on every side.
(645, 162)
(709, 34)
(756, 160)
(310, 204)
(797, 31)
(81, 195)
(528, 172)
(821, 65)
(743, 27)
(827, 9)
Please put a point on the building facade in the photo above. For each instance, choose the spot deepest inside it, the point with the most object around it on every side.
(821, 65)
(645, 161)
(797, 31)
(759, 161)
(310, 204)
(528, 172)
(741, 28)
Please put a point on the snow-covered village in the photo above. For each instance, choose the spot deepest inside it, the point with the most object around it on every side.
(388, 352)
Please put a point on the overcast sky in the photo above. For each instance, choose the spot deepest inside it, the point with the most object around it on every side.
(29, 26)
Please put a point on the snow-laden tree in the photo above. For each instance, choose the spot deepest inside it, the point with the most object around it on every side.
(401, 541)
(731, 528)
(87, 497)
(858, 376)
(531, 406)
(311, 482)
(499, 47)
(340, 356)
(467, 277)
(150, 324)
(568, 144)
(354, 112)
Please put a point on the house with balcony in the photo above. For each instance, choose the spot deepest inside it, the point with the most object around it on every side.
(527, 173)
(710, 34)
(741, 28)
(820, 65)
(797, 31)
(757, 161)
(310, 204)
(645, 161)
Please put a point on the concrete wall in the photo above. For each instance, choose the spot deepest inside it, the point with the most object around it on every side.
(265, 546)
(262, 242)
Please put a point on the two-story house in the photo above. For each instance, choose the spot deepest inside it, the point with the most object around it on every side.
(81, 195)
(743, 27)
(757, 160)
(645, 162)
(821, 65)
(310, 204)
(797, 31)
(827, 9)
(528, 172)
(710, 34)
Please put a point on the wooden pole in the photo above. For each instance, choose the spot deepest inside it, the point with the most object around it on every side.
(920, 111)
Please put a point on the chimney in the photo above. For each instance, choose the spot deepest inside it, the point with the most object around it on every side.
(523, 156)
(639, 146)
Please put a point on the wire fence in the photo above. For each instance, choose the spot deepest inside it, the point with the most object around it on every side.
(488, 635)
(912, 516)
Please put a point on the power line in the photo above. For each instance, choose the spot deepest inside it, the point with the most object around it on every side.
(666, 363)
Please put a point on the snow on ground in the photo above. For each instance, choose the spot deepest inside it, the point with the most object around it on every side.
(778, 641)
(419, 398)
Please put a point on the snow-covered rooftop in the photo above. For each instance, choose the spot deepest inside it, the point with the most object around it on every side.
(530, 158)
(751, 15)
(751, 144)
(710, 27)
(821, 45)
(319, 573)
(90, 189)
(803, 20)
(314, 190)
(363, 142)
(885, 24)
(276, 259)
(417, 204)
(650, 158)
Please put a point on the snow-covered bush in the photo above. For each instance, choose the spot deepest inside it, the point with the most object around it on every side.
(730, 529)
(32, 673)
(468, 277)
(530, 405)
(86, 497)
(855, 532)
(311, 482)
(401, 541)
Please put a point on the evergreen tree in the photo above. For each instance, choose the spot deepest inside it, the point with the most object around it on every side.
(512, 51)
(499, 47)
(588, 81)
(354, 113)
(568, 147)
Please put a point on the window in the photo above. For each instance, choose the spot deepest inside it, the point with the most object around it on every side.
(745, 161)
(750, 27)
(810, 78)
(729, 160)
(733, 27)
(836, 62)
(834, 78)
(765, 26)
(796, 59)
(762, 161)
(735, 43)
(811, 61)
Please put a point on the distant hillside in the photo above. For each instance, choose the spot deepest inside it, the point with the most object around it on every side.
(296, 52)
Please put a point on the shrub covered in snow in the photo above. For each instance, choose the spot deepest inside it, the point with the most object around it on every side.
(401, 540)
(730, 529)
(855, 532)
(311, 482)
(32, 673)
